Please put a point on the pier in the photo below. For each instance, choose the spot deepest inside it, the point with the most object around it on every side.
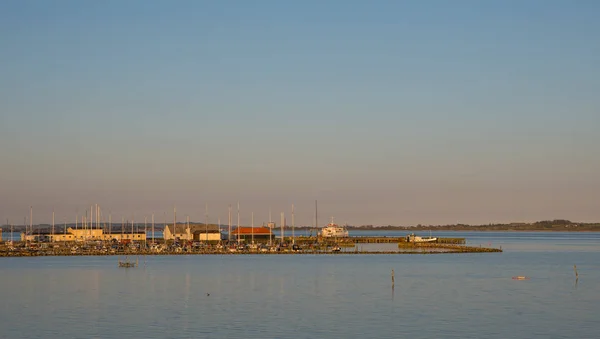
(372, 240)
(300, 245)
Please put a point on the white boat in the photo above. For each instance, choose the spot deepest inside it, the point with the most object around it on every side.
(416, 238)
(333, 230)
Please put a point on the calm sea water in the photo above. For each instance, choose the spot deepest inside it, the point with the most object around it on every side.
(308, 296)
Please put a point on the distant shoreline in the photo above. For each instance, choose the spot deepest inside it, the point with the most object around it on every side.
(472, 230)
(413, 229)
(557, 225)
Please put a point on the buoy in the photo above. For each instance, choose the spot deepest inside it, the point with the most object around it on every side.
(520, 277)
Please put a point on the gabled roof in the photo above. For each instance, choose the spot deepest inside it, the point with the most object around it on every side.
(251, 230)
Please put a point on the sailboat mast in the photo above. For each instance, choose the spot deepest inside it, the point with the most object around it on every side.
(174, 221)
(132, 222)
(238, 222)
(270, 228)
(206, 222)
(52, 226)
(316, 221)
(293, 225)
(252, 227)
(152, 227)
(282, 226)
(229, 231)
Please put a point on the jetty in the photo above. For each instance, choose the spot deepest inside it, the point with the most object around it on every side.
(374, 240)
(297, 245)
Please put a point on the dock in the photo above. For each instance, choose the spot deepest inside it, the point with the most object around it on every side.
(372, 240)
(303, 245)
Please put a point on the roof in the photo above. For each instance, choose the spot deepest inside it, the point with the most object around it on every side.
(182, 228)
(251, 230)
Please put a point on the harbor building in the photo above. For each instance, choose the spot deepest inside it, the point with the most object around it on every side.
(246, 234)
(81, 235)
(195, 232)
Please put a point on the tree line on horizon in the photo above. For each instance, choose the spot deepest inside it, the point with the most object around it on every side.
(548, 225)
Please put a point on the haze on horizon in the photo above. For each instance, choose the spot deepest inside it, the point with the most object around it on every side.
(386, 112)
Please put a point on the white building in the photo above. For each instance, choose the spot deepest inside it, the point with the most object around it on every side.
(193, 232)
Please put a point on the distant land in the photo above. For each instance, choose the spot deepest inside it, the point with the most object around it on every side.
(546, 225)
(557, 225)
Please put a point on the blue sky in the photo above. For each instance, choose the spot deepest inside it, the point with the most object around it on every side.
(387, 112)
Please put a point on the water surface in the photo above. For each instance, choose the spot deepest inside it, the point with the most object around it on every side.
(311, 296)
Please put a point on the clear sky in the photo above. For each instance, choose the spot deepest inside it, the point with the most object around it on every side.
(386, 112)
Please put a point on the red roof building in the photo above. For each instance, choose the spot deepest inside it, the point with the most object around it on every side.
(260, 234)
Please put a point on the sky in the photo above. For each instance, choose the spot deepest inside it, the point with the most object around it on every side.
(385, 112)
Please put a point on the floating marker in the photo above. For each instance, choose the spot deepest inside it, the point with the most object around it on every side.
(520, 277)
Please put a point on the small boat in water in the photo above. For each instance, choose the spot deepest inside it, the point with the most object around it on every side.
(416, 238)
(128, 264)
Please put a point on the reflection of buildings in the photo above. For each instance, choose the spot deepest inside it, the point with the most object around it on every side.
(82, 234)
(196, 232)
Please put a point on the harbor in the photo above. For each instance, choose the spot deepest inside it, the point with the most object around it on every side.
(95, 237)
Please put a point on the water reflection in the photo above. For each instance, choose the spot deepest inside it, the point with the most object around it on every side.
(311, 296)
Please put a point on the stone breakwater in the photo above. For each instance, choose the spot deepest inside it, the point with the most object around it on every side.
(402, 249)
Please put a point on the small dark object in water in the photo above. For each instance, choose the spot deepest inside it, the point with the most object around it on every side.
(207, 294)
(127, 264)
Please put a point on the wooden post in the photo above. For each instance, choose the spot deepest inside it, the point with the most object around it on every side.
(576, 274)
(392, 279)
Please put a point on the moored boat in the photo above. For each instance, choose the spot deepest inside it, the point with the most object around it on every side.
(417, 239)
(333, 230)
